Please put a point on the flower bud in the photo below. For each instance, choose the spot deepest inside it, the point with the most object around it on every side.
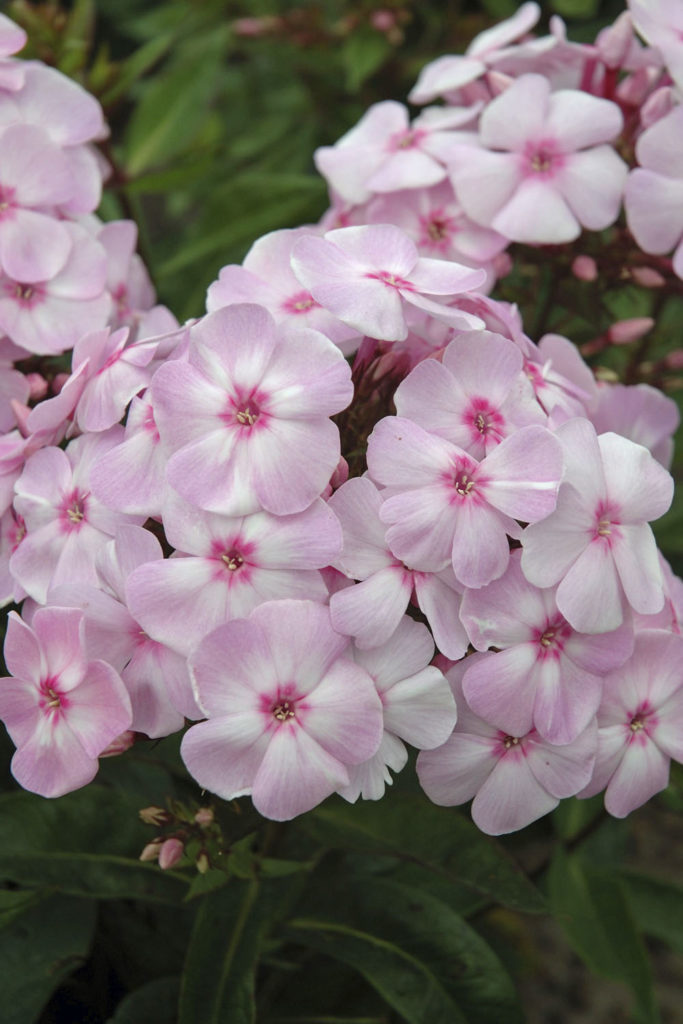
(151, 851)
(624, 331)
(498, 82)
(585, 268)
(154, 815)
(58, 382)
(170, 853)
(660, 103)
(37, 386)
(647, 277)
(204, 816)
(120, 744)
(203, 864)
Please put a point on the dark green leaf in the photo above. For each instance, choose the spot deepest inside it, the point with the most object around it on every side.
(154, 1003)
(440, 838)
(407, 984)
(423, 928)
(364, 52)
(576, 8)
(84, 844)
(38, 950)
(217, 986)
(208, 882)
(657, 907)
(592, 907)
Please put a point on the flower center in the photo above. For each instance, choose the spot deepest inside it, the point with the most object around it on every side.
(247, 416)
(510, 741)
(391, 280)
(604, 528)
(438, 229)
(547, 638)
(463, 483)
(233, 560)
(75, 514)
(301, 302)
(283, 710)
(54, 701)
(637, 723)
(24, 292)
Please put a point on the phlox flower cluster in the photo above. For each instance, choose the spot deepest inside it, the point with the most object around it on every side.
(354, 506)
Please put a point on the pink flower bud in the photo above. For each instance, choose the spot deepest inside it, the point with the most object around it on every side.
(657, 106)
(170, 853)
(37, 386)
(674, 360)
(624, 331)
(615, 41)
(119, 745)
(383, 20)
(204, 816)
(21, 414)
(58, 382)
(585, 268)
(498, 82)
(151, 851)
(502, 264)
(635, 88)
(647, 277)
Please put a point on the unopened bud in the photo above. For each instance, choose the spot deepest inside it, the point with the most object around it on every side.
(585, 268)
(674, 360)
(204, 816)
(37, 386)
(502, 264)
(660, 103)
(153, 815)
(625, 331)
(203, 864)
(123, 742)
(151, 851)
(58, 382)
(498, 82)
(383, 20)
(648, 277)
(170, 853)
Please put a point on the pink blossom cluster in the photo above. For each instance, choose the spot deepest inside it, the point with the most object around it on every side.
(194, 533)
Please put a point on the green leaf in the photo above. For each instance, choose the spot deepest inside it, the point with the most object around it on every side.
(153, 1003)
(175, 105)
(208, 882)
(363, 53)
(439, 838)
(576, 8)
(572, 816)
(657, 907)
(84, 844)
(592, 906)
(41, 947)
(425, 928)
(217, 985)
(407, 984)
(130, 70)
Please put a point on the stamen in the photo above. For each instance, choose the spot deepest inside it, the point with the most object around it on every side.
(463, 484)
(55, 701)
(637, 724)
(604, 528)
(480, 423)
(283, 711)
(24, 291)
(510, 741)
(247, 417)
(547, 638)
(232, 560)
(74, 513)
(541, 162)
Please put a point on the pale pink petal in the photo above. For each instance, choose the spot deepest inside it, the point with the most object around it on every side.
(53, 761)
(485, 181)
(440, 603)
(510, 798)
(344, 714)
(578, 120)
(302, 640)
(537, 214)
(502, 689)
(370, 611)
(593, 183)
(589, 596)
(454, 772)
(642, 772)
(291, 462)
(356, 504)
(23, 655)
(295, 775)
(224, 754)
(563, 770)
(637, 562)
(98, 709)
(420, 709)
(523, 474)
(517, 114)
(635, 481)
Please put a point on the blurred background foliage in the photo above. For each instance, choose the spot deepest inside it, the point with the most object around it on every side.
(367, 914)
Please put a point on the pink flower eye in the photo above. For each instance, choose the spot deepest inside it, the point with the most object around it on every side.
(233, 560)
(463, 484)
(247, 416)
(283, 710)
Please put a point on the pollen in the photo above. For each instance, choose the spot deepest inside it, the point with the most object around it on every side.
(54, 701)
(283, 710)
(232, 560)
(24, 292)
(510, 741)
(246, 417)
(637, 724)
(74, 514)
(463, 484)
(547, 638)
(541, 162)
(604, 528)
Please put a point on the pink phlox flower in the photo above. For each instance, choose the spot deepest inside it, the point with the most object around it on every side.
(131, 476)
(543, 168)
(640, 724)
(476, 396)
(371, 610)
(597, 544)
(35, 177)
(12, 532)
(266, 277)
(417, 704)
(12, 39)
(660, 23)
(247, 416)
(446, 507)
(370, 276)
(127, 279)
(226, 567)
(514, 779)
(55, 103)
(437, 224)
(447, 75)
(546, 676)
(671, 616)
(48, 317)
(155, 676)
(642, 414)
(61, 709)
(654, 191)
(384, 152)
(564, 384)
(66, 525)
(288, 710)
